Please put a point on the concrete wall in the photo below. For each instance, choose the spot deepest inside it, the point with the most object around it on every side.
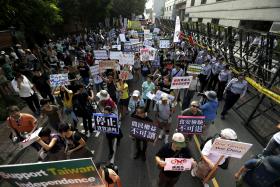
(169, 13)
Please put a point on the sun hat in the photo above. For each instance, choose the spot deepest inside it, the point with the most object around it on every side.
(228, 134)
(164, 97)
(136, 93)
(103, 95)
(211, 95)
(179, 139)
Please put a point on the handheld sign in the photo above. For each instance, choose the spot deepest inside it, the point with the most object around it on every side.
(143, 130)
(31, 139)
(230, 148)
(164, 44)
(107, 123)
(100, 54)
(94, 70)
(107, 64)
(190, 124)
(70, 173)
(177, 164)
(194, 69)
(124, 75)
(115, 55)
(126, 58)
(144, 54)
(59, 80)
(181, 82)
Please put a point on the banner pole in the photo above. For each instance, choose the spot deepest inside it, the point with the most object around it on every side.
(214, 169)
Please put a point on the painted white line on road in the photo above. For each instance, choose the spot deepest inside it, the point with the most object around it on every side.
(115, 150)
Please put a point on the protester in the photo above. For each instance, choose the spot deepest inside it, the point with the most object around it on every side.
(176, 149)
(193, 110)
(147, 86)
(111, 87)
(189, 92)
(122, 88)
(84, 72)
(234, 90)
(135, 101)
(52, 112)
(108, 175)
(106, 100)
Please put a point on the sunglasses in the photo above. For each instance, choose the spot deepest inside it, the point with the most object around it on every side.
(195, 106)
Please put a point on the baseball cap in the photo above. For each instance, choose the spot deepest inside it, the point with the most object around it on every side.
(228, 134)
(195, 103)
(136, 93)
(164, 97)
(179, 139)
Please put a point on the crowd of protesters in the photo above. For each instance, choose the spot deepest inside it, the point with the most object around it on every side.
(27, 74)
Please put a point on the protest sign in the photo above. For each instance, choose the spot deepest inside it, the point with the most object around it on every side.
(152, 53)
(181, 82)
(70, 173)
(148, 35)
(107, 64)
(30, 139)
(177, 30)
(190, 124)
(164, 44)
(177, 164)
(107, 123)
(125, 22)
(124, 75)
(144, 54)
(100, 54)
(148, 43)
(134, 40)
(156, 30)
(194, 69)
(59, 80)
(118, 47)
(126, 58)
(136, 47)
(135, 25)
(230, 148)
(158, 95)
(94, 70)
(143, 130)
(115, 55)
(122, 38)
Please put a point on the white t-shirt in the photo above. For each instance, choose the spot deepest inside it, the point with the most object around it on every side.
(25, 89)
(276, 137)
(211, 156)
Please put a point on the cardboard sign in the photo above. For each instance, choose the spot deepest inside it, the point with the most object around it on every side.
(70, 173)
(181, 82)
(194, 69)
(124, 75)
(100, 54)
(230, 148)
(164, 44)
(143, 130)
(59, 80)
(94, 70)
(115, 55)
(177, 164)
(107, 123)
(126, 58)
(177, 30)
(107, 64)
(190, 124)
(31, 139)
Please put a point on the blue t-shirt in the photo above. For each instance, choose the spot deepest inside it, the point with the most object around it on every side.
(209, 110)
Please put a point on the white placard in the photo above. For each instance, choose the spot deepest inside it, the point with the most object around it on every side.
(156, 30)
(181, 82)
(115, 55)
(59, 79)
(144, 54)
(164, 44)
(177, 30)
(158, 95)
(148, 43)
(94, 69)
(230, 148)
(31, 139)
(177, 164)
(134, 40)
(126, 58)
(100, 54)
(122, 38)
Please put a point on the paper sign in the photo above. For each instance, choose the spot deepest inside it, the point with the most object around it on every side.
(124, 75)
(126, 58)
(107, 64)
(194, 69)
(144, 54)
(177, 164)
(59, 80)
(164, 44)
(181, 82)
(100, 54)
(107, 123)
(94, 69)
(31, 139)
(122, 38)
(143, 130)
(190, 124)
(156, 30)
(134, 40)
(70, 173)
(230, 148)
(177, 30)
(115, 55)
(148, 43)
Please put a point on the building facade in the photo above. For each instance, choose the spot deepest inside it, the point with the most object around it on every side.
(154, 9)
(169, 10)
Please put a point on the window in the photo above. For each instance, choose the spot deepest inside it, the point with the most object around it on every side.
(192, 2)
(215, 21)
(200, 20)
(203, 1)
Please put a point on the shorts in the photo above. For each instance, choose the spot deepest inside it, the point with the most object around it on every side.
(124, 102)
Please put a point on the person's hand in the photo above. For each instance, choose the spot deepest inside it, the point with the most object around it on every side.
(236, 176)
(38, 139)
(161, 163)
(278, 126)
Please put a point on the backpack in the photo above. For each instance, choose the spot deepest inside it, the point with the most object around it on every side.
(212, 138)
(106, 171)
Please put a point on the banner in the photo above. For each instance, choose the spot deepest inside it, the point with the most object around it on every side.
(107, 64)
(126, 58)
(158, 95)
(181, 82)
(177, 30)
(124, 75)
(164, 44)
(190, 124)
(59, 80)
(94, 70)
(107, 123)
(143, 130)
(100, 54)
(70, 173)
(177, 164)
(194, 69)
(31, 139)
(230, 148)
(134, 25)
(115, 55)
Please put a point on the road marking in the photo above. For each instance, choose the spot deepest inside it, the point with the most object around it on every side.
(214, 181)
(115, 150)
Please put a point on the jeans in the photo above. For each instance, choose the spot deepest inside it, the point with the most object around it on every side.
(138, 146)
(231, 99)
(73, 116)
(165, 181)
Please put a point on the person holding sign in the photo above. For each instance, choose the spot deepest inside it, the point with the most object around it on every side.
(208, 159)
(176, 149)
(135, 101)
(122, 88)
(147, 86)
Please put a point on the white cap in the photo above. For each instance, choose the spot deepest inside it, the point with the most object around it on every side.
(164, 97)
(179, 139)
(136, 93)
(228, 134)
(2, 52)
(103, 95)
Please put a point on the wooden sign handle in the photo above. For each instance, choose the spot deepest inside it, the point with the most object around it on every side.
(213, 170)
